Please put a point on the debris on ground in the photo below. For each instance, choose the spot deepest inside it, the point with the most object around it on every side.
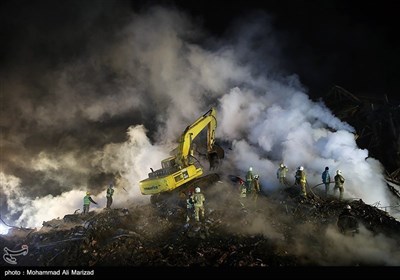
(278, 229)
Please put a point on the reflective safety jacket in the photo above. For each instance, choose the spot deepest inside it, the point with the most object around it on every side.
(86, 200)
(249, 176)
(110, 192)
(281, 172)
(339, 180)
(243, 190)
(199, 199)
(189, 202)
(301, 177)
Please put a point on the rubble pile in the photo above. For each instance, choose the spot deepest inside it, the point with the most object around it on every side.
(276, 229)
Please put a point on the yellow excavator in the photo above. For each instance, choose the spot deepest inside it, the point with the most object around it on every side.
(183, 170)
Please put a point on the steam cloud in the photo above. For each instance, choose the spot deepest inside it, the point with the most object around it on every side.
(113, 109)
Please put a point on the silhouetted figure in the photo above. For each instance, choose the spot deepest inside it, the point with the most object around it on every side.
(347, 223)
(339, 182)
(109, 195)
(326, 179)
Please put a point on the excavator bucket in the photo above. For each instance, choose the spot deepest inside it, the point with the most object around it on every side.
(215, 155)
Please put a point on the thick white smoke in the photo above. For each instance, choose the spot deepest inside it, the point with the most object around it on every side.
(162, 78)
(294, 130)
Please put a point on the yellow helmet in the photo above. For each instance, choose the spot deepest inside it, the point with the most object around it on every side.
(87, 193)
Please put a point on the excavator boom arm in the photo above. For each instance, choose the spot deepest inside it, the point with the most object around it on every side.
(178, 171)
(208, 120)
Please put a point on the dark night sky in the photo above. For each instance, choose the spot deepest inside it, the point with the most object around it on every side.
(353, 44)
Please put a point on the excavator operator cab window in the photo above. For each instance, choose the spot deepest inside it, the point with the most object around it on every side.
(168, 163)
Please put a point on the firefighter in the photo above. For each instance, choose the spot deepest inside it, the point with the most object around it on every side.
(249, 180)
(189, 206)
(339, 181)
(326, 179)
(256, 188)
(281, 174)
(347, 223)
(109, 195)
(198, 199)
(242, 193)
(86, 203)
(242, 189)
(301, 180)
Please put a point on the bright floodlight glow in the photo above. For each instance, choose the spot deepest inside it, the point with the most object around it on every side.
(3, 229)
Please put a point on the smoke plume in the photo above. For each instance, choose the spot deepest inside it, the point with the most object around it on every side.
(110, 93)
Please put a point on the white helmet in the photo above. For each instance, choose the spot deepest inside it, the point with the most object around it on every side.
(250, 168)
(348, 207)
(197, 190)
(281, 165)
(338, 172)
(301, 168)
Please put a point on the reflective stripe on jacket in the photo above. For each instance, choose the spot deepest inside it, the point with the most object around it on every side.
(86, 200)
(198, 199)
(339, 180)
(110, 192)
